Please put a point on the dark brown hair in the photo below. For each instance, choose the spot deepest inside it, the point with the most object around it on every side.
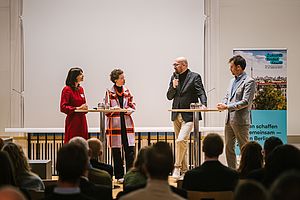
(72, 75)
(114, 75)
(238, 60)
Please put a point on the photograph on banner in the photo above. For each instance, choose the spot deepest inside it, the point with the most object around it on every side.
(268, 67)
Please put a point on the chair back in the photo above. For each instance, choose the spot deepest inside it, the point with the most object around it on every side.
(219, 195)
(36, 195)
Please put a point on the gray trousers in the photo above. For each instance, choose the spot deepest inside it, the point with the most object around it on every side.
(234, 132)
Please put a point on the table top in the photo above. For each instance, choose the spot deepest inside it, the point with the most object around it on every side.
(195, 110)
(103, 110)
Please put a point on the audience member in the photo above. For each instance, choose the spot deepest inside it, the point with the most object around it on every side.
(212, 175)
(25, 179)
(281, 159)
(97, 192)
(1, 143)
(11, 193)
(7, 174)
(96, 147)
(251, 159)
(72, 161)
(136, 175)
(269, 146)
(159, 164)
(250, 190)
(286, 187)
(96, 176)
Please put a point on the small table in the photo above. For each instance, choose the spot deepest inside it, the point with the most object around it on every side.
(197, 134)
(102, 124)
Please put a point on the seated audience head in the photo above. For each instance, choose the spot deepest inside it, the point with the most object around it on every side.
(250, 190)
(270, 144)
(82, 142)
(11, 193)
(159, 161)
(286, 187)
(18, 158)
(1, 143)
(212, 146)
(283, 158)
(7, 174)
(72, 162)
(251, 158)
(138, 164)
(96, 147)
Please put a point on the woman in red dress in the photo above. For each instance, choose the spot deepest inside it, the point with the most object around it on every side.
(73, 98)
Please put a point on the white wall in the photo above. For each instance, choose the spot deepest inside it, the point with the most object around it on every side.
(233, 24)
(141, 37)
(5, 63)
(256, 24)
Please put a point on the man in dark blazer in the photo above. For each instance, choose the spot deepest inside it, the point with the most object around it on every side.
(185, 88)
(237, 102)
(212, 175)
(96, 147)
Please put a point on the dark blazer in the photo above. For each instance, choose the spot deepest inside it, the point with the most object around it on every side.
(89, 189)
(186, 93)
(103, 166)
(210, 176)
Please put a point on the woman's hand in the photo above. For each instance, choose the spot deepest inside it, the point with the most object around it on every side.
(129, 111)
(82, 107)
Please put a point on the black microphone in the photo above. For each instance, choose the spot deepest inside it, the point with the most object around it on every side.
(176, 76)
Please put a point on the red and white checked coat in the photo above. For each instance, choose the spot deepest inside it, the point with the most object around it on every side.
(113, 123)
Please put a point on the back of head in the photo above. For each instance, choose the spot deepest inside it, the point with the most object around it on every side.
(250, 190)
(270, 145)
(159, 161)
(1, 143)
(7, 175)
(17, 157)
(95, 146)
(251, 158)
(140, 160)
(281, 159)
(212, 145)
(286, 187)
(11, 193)
(72, 161)
(80, 141)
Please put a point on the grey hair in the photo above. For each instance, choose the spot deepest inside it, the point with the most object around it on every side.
(80, 141)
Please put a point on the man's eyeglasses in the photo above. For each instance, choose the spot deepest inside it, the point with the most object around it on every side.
(176, 64)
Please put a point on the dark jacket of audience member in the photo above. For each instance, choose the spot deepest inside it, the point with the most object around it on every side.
(212, 175)
(97, 192)
(281, 159)
(72, 162)
(96, 147)
(96, 176)
(25, 179)
(251, 159)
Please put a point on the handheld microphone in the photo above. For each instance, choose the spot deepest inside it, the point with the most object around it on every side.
(176, 76)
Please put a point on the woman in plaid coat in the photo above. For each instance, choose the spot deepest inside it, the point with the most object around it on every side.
(120, 127)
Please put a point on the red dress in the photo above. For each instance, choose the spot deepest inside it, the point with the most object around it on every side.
(76, 124)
